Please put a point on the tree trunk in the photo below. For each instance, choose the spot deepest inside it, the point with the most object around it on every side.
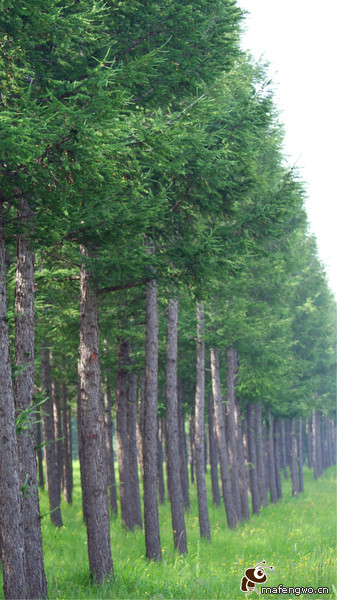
(151, 519)
(182, 449)
(36, 583)
(109, 451)
(308, 428)
(293, 457)
(140, 423)
(92, 426)
(132, 434)
(177, 505)
(191, 445)
(58, 431)
(80, 445)
(221, 439)
(11, 521)
(39, 451)
(300, 455)
(213, 452)
(199, 447)
(67, 450)
(283, 449)
(160, 468)
(271, 459)
(241, 461)
(277, 456)
(260, 454)
(254, 489)
(53, 482)
(231, 368)
(123, 454)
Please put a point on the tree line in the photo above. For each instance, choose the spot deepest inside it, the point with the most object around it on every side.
(153, 242)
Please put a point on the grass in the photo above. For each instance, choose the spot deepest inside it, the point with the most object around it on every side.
(297, 536)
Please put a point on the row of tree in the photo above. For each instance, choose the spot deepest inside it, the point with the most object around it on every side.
(142, 172)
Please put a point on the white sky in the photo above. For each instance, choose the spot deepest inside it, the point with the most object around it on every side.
(299, 40)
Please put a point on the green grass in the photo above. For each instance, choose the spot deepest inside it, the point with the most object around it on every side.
(296, 536)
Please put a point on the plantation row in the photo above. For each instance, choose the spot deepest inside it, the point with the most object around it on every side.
(154, 246)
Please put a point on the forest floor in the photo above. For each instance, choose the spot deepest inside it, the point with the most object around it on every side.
(297, 536)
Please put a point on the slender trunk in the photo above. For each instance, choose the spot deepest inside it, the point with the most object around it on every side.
(163, 437)
(67, 454)
(213, 452)
(199, 447)
(39, 451)
(308, 428)
(319, 443)
(177, 505)
(191, 445)
(140, 423)
(221, 439)
(109, 451)
(271, 459)
(182, 449)
(80, 446)
(277, 456)
(58, 431)
(293, 463)
(283, 449)
(11, 521)
(260, 454)
(246, 452)
(241, 461)
(231, 367)
(53, 483)
(160, 469)
(151, 519)
(92, 426)
(252, 459)
(123, 454)
(132, 434)
(300, 455)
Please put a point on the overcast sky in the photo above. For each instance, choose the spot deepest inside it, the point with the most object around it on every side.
(299, 39)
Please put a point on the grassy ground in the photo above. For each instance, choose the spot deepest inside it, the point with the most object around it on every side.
(296, 536)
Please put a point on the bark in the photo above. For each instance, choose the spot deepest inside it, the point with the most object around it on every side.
(177, 505)
(213, 452)
(231, 368)
(277, 457)
(67, 449)
(191, 446)
(52, 479)
(283, 449)
(11, 522)
(300, 455)
(160, 469)
(123, 455)
(293, 457)
(92, 427)
(199, 447)
(254, 489)
(271, 459)
(151, 519)
(58, 431)
(241, 461)
(109, 451)
(132, 435)
(260, 456)
(308, 428)
(182, 449)
(221, 440)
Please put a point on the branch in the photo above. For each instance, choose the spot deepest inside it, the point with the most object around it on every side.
(116, 288)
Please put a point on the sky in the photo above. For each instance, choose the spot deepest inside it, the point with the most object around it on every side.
(299, 40)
